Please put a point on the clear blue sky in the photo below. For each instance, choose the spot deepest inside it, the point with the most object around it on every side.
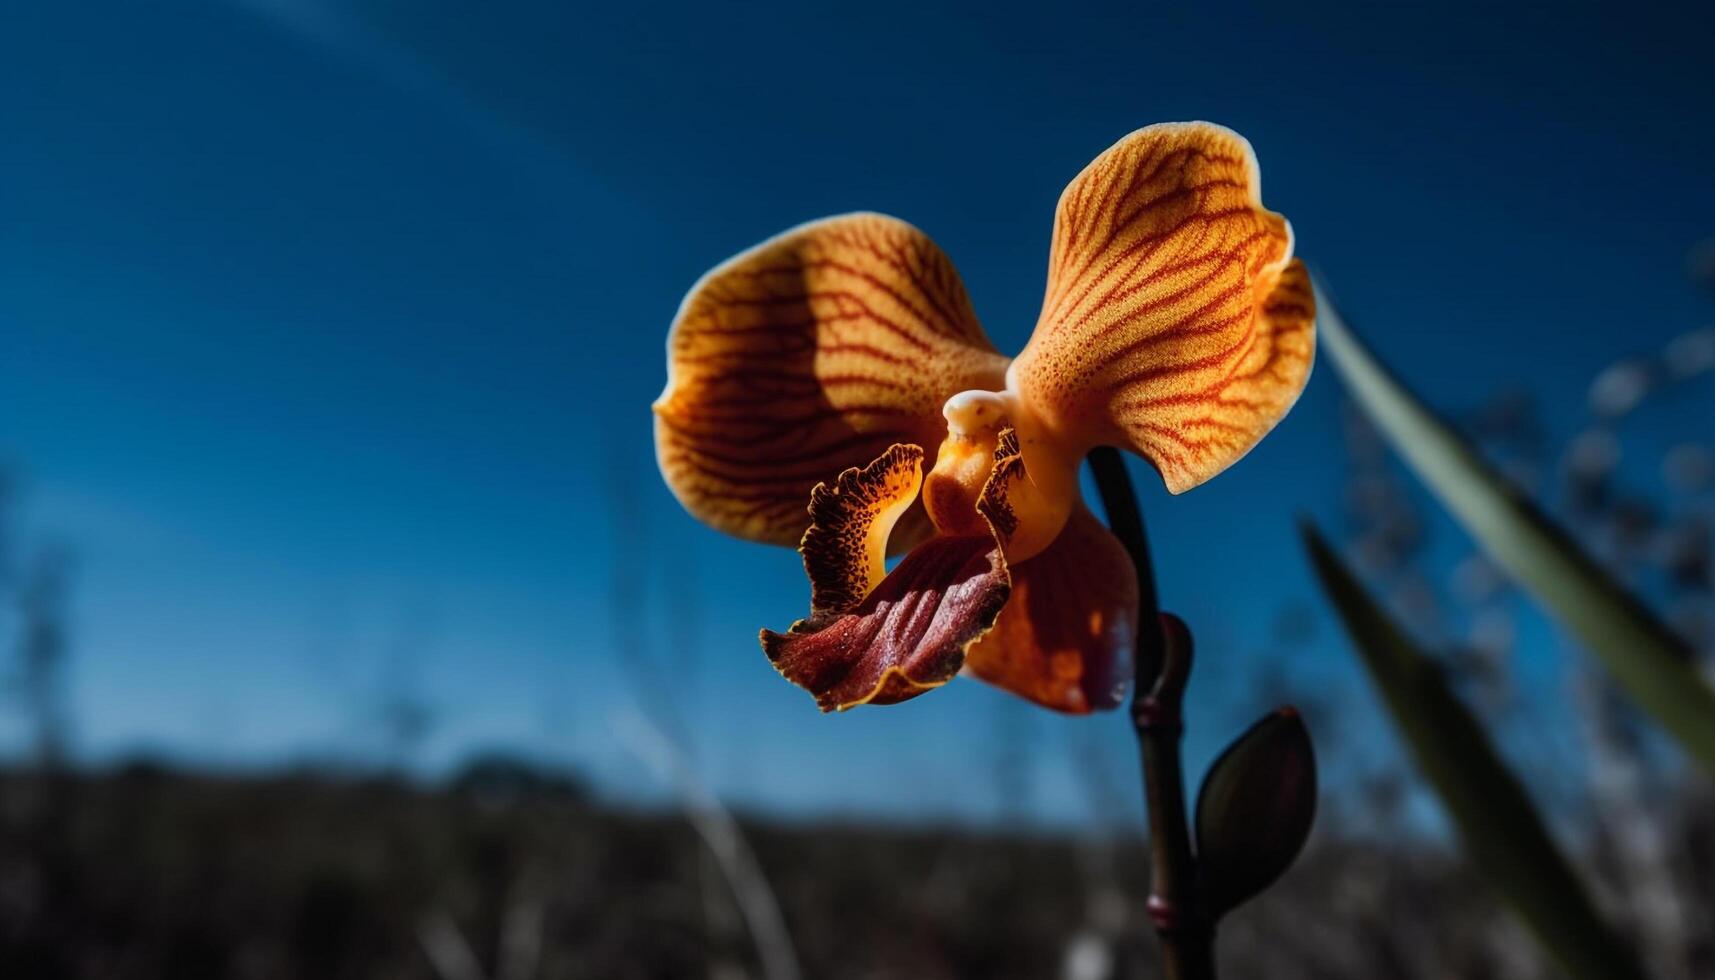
(328, 334)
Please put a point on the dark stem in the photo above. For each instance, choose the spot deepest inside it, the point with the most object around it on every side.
(1163, 667)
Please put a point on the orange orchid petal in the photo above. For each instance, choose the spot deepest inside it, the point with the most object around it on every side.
(1176, 322)
(1066, 636)
(810, 353)
(907, 636)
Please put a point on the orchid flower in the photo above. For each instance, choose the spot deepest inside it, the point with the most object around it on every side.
(810, 376)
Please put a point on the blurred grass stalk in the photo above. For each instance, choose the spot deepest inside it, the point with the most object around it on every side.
(1502, 832)
(1653, 665)
(724, 839)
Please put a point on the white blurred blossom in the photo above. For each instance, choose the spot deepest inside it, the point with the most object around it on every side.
(1620, 387)
(1691, 354)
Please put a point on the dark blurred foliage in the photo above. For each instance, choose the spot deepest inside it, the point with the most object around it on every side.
(162, 874)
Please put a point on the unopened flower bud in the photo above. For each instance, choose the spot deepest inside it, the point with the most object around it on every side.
(1255, 810)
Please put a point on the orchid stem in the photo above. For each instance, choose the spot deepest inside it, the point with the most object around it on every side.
(1163, 667)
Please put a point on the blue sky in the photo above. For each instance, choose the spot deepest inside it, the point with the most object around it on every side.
(328, 333)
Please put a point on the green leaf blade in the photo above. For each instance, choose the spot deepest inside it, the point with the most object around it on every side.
(1653, 665)
(1502, 832)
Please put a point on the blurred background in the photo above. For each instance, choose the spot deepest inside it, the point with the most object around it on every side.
(347, 628)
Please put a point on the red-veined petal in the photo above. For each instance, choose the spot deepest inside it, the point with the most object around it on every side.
(1176, 322)
(808, 354)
